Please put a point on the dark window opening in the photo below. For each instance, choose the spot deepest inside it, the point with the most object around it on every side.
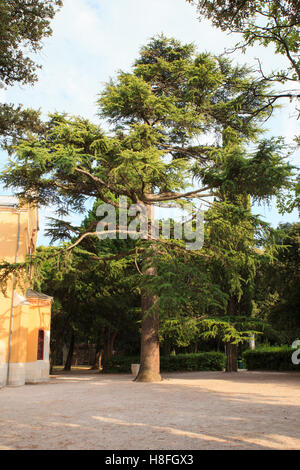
(40, 353)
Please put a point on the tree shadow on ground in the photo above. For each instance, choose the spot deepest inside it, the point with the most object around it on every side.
(184, 411)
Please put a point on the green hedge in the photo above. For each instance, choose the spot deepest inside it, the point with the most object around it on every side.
(270, 358)
(181, 362)
(121, 364)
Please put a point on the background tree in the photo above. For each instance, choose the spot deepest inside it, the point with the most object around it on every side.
(95, 302)
(211, 297)
(273, 22)
(23, 25)
(277, 285)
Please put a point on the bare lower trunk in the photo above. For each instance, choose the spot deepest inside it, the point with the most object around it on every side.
(105, 347)
(97, 364)
(150, 357)
(52, 360)
(231, 353)
(70, 353)
(108, 348)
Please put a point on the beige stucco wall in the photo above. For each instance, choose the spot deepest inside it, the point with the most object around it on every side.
(23, 320)
(39, 317)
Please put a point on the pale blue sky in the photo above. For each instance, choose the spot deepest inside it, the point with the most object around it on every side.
(93, 39)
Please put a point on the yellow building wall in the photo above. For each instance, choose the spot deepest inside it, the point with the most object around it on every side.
(13, 250)
(19, 337)
(18, 233)
(5, 313)
(39, 319)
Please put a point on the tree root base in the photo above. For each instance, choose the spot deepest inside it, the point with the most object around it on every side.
(146, 376)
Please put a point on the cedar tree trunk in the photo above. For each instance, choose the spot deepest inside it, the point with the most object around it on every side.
(150, 357)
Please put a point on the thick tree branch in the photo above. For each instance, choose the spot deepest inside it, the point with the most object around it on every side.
(169, 196)
(96, 179)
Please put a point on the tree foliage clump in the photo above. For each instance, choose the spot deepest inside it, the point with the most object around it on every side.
(97, 303)
(23, 26)
(277, 290)
(264, 22)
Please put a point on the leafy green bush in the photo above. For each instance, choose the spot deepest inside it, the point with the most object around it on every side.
(181, 362)
(187, 362)
(270, 358)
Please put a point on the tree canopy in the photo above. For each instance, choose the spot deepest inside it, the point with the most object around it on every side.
(173, 97)
(277, 290)
(265, 22)
(23, 25)
(94, 302)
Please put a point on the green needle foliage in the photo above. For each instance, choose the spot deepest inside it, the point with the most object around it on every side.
(23, 26)
(273, 22)
(173, 97)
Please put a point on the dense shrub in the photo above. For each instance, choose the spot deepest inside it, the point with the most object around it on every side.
(181, 362)
(270, 358)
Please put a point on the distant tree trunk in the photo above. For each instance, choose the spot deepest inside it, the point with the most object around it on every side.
(52, 359)
(107, 354)
(166, 349)
(99, 361)
(231, 306)
(95, 362)
(105, 347)
(231, 355)
(70, 353)
(231, 349)
(99, 351)
(109, 346)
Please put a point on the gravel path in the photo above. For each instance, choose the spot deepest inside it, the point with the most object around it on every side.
(189, 411)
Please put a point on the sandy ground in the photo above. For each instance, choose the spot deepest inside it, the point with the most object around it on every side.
(197, 410)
